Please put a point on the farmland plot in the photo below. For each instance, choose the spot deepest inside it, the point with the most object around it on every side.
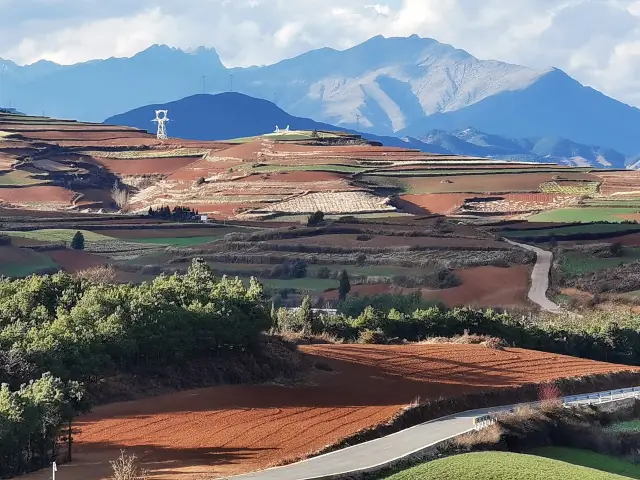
(333, 203)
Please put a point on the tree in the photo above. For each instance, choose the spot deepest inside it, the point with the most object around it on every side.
(345, 286)
(315, 218)
(77, 242)
(305, 316)
(150, 212)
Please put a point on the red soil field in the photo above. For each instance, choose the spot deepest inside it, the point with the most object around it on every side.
(203, 168)
(53, 135)
(620, 182)
(486, 287)
(75, 260)
(443, 204)
(489, 183)
(41, 194)
(146, 166)
(228, 430)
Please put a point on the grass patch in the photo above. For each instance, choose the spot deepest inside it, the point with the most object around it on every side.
(59, 235)
(37, 262)
(308, 168)
(583, 215)
(590, 459)
(501, 466)
(20, 177)
(632, 426)
(571, 188)
(577, 263)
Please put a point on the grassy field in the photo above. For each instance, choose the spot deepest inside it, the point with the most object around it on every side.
(37, 262)
(589, 459)
(612, 202)
(301, 284)
(292, 135)
(578, 188)
(584, 215)
(176, 241)
(59, 235)
(309, 168)
(632, 426)
(20, 177)
(576, 263)
(573, 229)
(502, 466)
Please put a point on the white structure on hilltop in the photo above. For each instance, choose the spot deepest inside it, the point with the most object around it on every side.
(277, 130)
(161, 119)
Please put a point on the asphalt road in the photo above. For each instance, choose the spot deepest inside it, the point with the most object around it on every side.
(540, 278)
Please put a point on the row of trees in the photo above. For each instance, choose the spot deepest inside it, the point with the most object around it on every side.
(178, 213)
(58, 332)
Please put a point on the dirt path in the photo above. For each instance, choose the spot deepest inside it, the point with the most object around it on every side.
(540, 278)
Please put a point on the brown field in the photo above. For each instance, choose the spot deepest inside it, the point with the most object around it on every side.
(298, 177)
(37, 195)
(75, 260)
(146, 166)
(502, 183)
(620, 184)
(382, 241)
(168, 232)
(486, 287)
(442, 203)
(234, 429)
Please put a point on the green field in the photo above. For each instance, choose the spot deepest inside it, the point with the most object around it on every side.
(20, 178)
(37, 262)
(502, 466)
(577, 263)
(176, 241)
(293, 135)
(583, 215)
(632, 426)
(590, 459)
(301, 284)
(309, 168)
(58, 235)
(612, 202)
(573, 230)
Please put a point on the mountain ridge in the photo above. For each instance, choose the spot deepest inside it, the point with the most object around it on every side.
(397, 86)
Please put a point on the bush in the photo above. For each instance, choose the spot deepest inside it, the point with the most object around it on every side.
(315, 219)
(372, 337)
(77, 242)
(200, 181)
(324, 272)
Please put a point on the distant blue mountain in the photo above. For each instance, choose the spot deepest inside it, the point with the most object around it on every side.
(233, 115)
(384, 86)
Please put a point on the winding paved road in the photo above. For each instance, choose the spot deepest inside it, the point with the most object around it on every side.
(540, 278)
(373, 455)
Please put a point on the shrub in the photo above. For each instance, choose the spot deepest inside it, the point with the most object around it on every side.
(77, 242)
(372, 337)
(126, 468)
(200, 181)
(324, 272)
(315, 218)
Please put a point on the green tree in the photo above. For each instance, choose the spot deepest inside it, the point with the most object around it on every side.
(306, 316)
(77, 242)
(344, 286)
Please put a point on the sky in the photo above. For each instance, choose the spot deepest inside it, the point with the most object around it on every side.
(595, 41)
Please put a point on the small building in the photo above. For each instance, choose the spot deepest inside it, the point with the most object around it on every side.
(204, 218)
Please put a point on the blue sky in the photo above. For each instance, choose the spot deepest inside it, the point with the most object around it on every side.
(596, 41)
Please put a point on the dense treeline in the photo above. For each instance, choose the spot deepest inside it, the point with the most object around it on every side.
(384, 318)
(58, 330)
(178, 213)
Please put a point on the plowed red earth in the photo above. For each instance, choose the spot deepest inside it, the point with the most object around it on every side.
(146, 166)
(482, 287)
(301, 177)
(443, 204)
(227, 430)
(75, 260)
(42, 194)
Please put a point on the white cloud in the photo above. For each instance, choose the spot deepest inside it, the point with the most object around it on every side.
(596, 41)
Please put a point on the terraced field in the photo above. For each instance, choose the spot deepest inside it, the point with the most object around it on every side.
(256, 426)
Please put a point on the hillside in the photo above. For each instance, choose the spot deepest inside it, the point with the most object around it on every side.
(234, 115)
(404, 86)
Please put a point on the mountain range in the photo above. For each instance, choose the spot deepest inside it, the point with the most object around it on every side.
(385, 86)
(233, 115)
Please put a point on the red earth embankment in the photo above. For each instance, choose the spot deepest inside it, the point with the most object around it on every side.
(227, 430)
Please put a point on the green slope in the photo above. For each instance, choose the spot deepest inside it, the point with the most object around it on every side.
(501, 466)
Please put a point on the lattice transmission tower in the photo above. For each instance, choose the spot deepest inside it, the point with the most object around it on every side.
(161, 119)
